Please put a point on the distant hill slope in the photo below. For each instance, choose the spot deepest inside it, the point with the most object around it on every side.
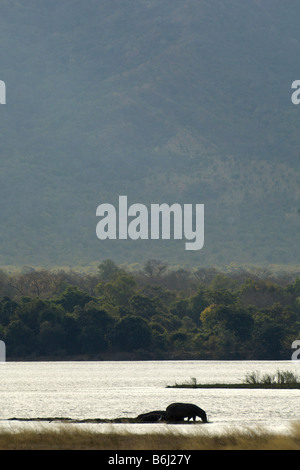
(163, 101)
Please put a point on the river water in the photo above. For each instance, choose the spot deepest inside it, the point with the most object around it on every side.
(114, 389)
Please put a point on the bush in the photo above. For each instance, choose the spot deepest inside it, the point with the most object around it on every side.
(281, 377)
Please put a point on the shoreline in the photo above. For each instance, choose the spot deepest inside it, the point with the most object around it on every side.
(240, 386)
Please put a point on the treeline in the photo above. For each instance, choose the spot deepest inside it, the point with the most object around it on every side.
(153, 313)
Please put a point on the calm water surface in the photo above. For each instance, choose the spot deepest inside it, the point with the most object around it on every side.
(87, 390)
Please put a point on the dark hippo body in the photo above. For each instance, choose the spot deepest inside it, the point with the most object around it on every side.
(179, 411)
(152, 416)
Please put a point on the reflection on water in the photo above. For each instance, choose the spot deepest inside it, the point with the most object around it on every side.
(87, 390)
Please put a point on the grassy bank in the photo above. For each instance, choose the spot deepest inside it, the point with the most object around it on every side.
(280, 380)
(252, 386)
(77, 439)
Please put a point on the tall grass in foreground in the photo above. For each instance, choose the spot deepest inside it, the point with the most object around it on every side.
(77, 439)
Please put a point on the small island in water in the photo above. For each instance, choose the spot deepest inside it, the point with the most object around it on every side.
(280, 380)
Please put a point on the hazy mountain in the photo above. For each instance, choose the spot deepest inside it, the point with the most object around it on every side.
(161, 100)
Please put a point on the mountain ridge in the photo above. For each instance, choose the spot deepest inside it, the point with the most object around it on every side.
(163, 102)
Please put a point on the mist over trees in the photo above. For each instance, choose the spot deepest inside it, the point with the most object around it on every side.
(163, 101)
(155, 312)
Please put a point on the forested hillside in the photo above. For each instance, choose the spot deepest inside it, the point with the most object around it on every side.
(162, 101)
(153, 313)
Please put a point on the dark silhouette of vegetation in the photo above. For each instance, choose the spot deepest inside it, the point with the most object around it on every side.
(282, 379)
(145, 314)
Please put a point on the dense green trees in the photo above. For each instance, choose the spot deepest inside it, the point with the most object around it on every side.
(145, 314)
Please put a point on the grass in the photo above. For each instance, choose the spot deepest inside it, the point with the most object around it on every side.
(281, 379)
(78, 439)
